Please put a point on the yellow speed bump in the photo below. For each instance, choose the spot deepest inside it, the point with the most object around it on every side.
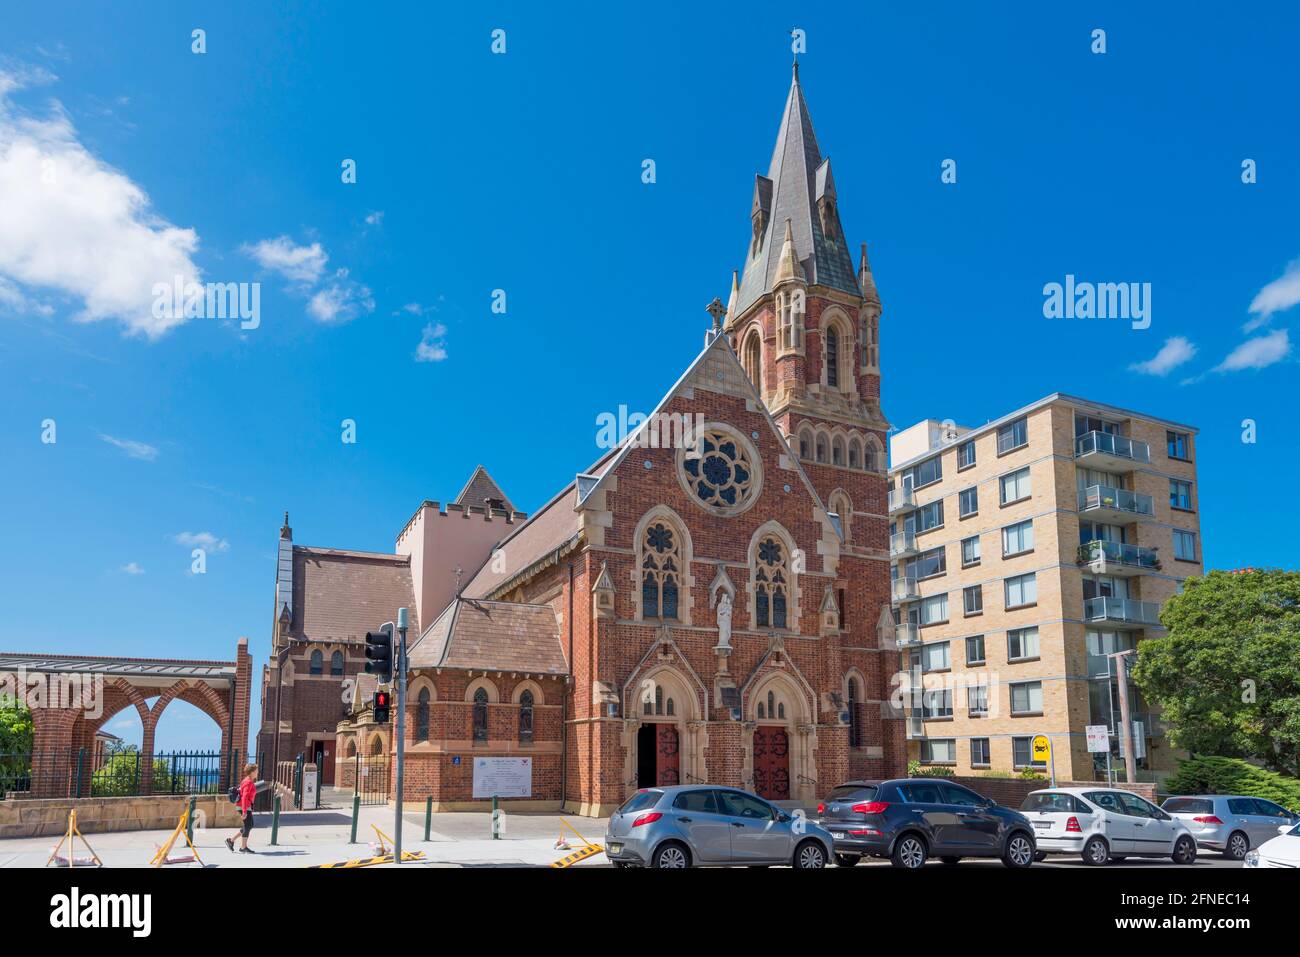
(369, 861)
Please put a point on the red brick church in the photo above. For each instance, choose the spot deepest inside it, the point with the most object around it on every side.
(707, 610)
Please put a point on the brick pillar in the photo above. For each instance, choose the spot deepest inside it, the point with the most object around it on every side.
(150, 723)
(52, 742)
(240, 695)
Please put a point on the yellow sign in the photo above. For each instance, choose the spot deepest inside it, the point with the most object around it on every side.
(1042, 748)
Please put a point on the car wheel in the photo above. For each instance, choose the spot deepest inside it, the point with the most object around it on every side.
(846, 860)
(810, 855)
(1040, 856)
(1095, 852)
(1019, 851)
(671, 856)
(950, 861)
(1238, 845)
(909, 853)
(1184, 850)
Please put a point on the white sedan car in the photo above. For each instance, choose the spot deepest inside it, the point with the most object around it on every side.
(1105, 824)
(1281, 851)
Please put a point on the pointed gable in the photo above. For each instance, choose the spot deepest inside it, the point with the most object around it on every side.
(482, 489)
(796, 180)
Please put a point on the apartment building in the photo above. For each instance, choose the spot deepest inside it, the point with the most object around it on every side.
(1024, 553)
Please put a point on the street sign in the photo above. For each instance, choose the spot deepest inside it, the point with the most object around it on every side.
(1098, 738)
(1041, 748)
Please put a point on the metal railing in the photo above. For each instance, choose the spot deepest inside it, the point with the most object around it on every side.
(1107, 443)
(88, 772)
(905, 589)
(907, 634)
(901, 498)
(1103, 496)
(1128, 610)
(902, 543)
(1119, 554)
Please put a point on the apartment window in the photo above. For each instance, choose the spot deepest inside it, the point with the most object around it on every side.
(1022, 643)
(1012, 436)
(937, 703)
(1022, 754)
(970, 551)
(1021, 590)
(977, 701)
(935, 657)
(1178, 445)
(1083, 424)
(1180, 495)
(973, 599)
(1018, 538)
(1184, 546)
(1027, 698)
(934, 609)
(939, 751)
(975, 650)
(979, 752)
(929, 516)
(929, 564)
(966, 455)
(1015, 486)
(968, 501)
(924, 473)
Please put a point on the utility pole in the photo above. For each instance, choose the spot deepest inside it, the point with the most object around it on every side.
(1126, 718)
(401, 729)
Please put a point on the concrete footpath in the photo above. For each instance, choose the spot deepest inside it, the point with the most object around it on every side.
(456, 839)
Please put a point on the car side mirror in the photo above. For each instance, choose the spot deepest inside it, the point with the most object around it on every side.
(784, 818)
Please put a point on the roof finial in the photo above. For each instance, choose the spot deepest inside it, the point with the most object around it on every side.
(717, 310)
(796, 68)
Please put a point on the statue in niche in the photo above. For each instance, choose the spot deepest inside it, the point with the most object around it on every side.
(724, 620)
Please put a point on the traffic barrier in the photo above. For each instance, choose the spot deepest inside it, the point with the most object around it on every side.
(182, 830)
(70, 837)
(587, 849)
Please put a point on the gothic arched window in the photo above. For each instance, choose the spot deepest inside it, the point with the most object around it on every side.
(771, 584)
(481, 715)
(422, 715)
(336, 663)
(832, 358)
(823, 453)
(805, 444)
(526, 718)
(839, 503)
(855, 453)
(855, 719)
(317, 662)
(661, 569)
(837, 451)
(753, 360)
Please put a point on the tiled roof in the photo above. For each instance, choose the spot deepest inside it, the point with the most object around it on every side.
(493, 635)
(340, 595)
(480, 488)
(793, 181)
(127, 667)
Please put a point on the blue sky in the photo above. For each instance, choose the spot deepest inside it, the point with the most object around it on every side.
(522, 171)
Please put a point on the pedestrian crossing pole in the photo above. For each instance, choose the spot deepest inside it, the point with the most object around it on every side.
(401, 729)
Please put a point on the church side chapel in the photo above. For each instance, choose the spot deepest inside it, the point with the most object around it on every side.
(713, 612)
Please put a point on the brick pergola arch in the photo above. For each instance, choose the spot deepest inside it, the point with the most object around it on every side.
(63, 728)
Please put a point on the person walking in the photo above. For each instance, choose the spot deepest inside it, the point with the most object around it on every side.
(247, 792)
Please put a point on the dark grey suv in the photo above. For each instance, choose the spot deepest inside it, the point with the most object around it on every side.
(914, 819)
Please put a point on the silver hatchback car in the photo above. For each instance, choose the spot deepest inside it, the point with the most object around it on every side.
(705, 826)
(1229, 823)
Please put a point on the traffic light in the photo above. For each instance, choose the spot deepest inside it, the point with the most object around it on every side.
(379, 651)
(383, 700)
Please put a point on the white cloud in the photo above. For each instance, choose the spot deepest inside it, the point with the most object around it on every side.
(137, 450)
(1281, 294)
(205, 540)
(72, 223)
(433, 344)
(304, 264)
(131, 568)
(1172, 354)
(376, 218)
(342, 300)
(1257, 353)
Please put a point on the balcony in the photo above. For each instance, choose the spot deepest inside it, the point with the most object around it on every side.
(901, 500)
(1110, 452)
(1114, 558)
(915, 729)
(1122, 612)
(902, 545)
(907, 635)
(1105, 504)
(905, 589)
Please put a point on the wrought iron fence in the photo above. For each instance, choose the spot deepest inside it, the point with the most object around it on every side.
(370, 781)
(85, 772)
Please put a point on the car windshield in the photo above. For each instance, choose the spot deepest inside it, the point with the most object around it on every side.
(1050, 801)
(640, 801)
(1189, 806)
(854, 792)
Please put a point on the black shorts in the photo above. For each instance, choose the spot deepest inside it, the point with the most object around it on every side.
(248, 823)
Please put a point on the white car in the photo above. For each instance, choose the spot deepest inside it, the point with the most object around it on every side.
(1281, 851)
(1105, 824)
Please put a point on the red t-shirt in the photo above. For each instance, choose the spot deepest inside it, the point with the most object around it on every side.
(247, 791)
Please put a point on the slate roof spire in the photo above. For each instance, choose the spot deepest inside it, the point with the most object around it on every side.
(799, 188)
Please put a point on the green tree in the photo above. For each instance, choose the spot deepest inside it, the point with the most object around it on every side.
(1227, 673)
(15, 730)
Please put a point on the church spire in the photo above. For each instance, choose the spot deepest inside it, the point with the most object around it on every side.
(799, 188)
